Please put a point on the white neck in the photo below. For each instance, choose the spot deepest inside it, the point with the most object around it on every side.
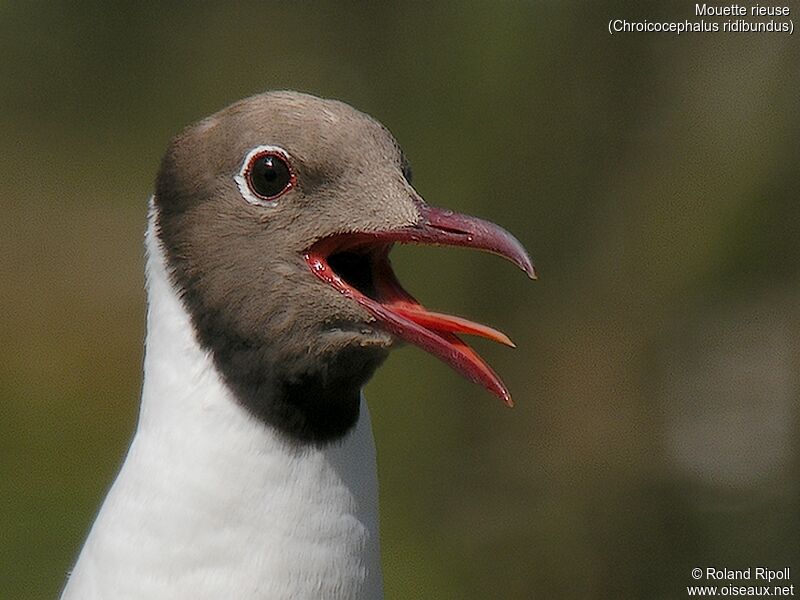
(212, 503)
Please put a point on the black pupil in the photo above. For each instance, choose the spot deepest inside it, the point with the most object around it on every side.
(269, 176)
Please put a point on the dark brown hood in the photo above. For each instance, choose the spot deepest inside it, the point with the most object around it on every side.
(293, 347)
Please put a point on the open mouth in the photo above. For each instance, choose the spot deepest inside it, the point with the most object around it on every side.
(358, 266)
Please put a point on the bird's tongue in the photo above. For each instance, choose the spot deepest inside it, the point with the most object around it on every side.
(450, 323)
(432, 331)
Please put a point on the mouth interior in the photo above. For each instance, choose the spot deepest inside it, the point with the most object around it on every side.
(356, 270)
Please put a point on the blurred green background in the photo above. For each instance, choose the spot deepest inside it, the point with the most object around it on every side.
(653, 178)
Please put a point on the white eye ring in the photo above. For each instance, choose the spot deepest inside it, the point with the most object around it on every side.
(243, 177)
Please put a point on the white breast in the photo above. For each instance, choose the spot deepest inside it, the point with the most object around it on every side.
(211, 503)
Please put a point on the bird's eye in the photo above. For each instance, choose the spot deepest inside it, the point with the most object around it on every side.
(267, 173)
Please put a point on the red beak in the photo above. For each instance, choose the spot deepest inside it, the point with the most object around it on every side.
(371, 282)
